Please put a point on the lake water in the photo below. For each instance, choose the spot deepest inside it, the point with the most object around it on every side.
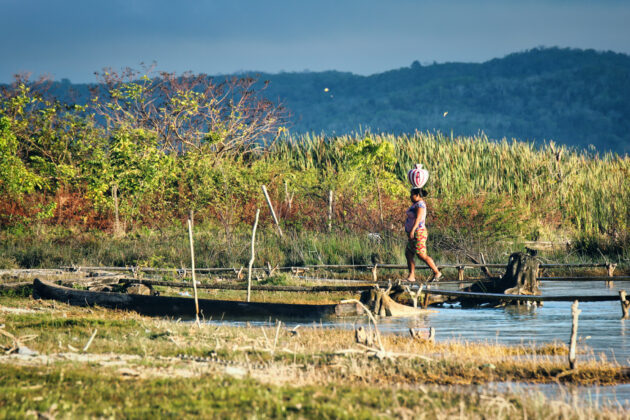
(601, 330)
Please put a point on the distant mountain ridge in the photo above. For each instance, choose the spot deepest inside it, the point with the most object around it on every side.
(572, 96)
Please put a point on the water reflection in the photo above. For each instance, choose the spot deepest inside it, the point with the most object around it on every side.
(600, 326)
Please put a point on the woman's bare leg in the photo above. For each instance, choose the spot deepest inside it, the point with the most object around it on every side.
(429, 261)
(411, 265)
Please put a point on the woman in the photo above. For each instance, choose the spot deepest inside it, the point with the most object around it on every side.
(417, 235)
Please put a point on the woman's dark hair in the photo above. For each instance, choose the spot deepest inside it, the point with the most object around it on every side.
(419, 191)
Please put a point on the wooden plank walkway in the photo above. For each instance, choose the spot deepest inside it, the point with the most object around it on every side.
(523, 298)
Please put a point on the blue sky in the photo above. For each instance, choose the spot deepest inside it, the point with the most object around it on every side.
(74, 38)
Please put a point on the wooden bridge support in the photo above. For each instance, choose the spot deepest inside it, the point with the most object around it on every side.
(610, 269)
(425, 301)
(460, 276)
(625, 305)
(575, 312)
(375, 273)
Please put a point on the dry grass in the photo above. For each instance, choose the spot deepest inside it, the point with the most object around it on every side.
(310, 371)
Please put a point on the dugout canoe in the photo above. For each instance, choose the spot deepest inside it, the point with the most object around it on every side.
(182, 307)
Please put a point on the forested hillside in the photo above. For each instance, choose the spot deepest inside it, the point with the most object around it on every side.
(574, 97)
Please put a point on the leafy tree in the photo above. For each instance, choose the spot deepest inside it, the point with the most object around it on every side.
(375, 164)
(222, 117)
(15, 177)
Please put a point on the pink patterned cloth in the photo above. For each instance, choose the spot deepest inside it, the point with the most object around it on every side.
(412, 213)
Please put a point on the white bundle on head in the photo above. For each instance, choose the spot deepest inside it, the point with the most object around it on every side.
(418, 176)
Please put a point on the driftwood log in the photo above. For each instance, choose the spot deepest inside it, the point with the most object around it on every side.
(382, 302)
(520, 278)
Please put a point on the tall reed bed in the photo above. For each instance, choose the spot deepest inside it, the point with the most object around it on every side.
(574, 193)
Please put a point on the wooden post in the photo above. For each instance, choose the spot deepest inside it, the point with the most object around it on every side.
(625, 305)
(610, 269)
(192, 269)
(273, 213)
(575, 312)
(330, 209)
(87, 346)
(425, 301)
(375, 273)
(460, 276)
(117, 229)
(288, 199)
(251, 261)
(380, 201)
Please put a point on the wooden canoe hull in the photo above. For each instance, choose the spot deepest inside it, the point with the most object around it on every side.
(182, 307)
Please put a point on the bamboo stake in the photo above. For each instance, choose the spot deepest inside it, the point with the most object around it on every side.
(330, 204)
(117, 230)
(87, 346)
(273, 213)
(192, 260)
(275, 341)
(575, 312)
(251, 261)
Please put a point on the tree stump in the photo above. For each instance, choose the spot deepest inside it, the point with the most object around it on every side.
(363, 336)
(520, 278)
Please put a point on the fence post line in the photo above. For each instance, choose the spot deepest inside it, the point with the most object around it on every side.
(273, 213)
(251, 261)
(192, 259)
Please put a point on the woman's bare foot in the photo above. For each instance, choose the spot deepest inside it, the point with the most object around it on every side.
(411, 278)
(436, 276)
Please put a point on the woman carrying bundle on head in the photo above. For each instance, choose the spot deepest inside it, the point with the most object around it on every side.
(415, 225)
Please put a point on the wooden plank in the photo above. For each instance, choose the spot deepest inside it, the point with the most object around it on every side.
(585, 278)
(531, 298)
